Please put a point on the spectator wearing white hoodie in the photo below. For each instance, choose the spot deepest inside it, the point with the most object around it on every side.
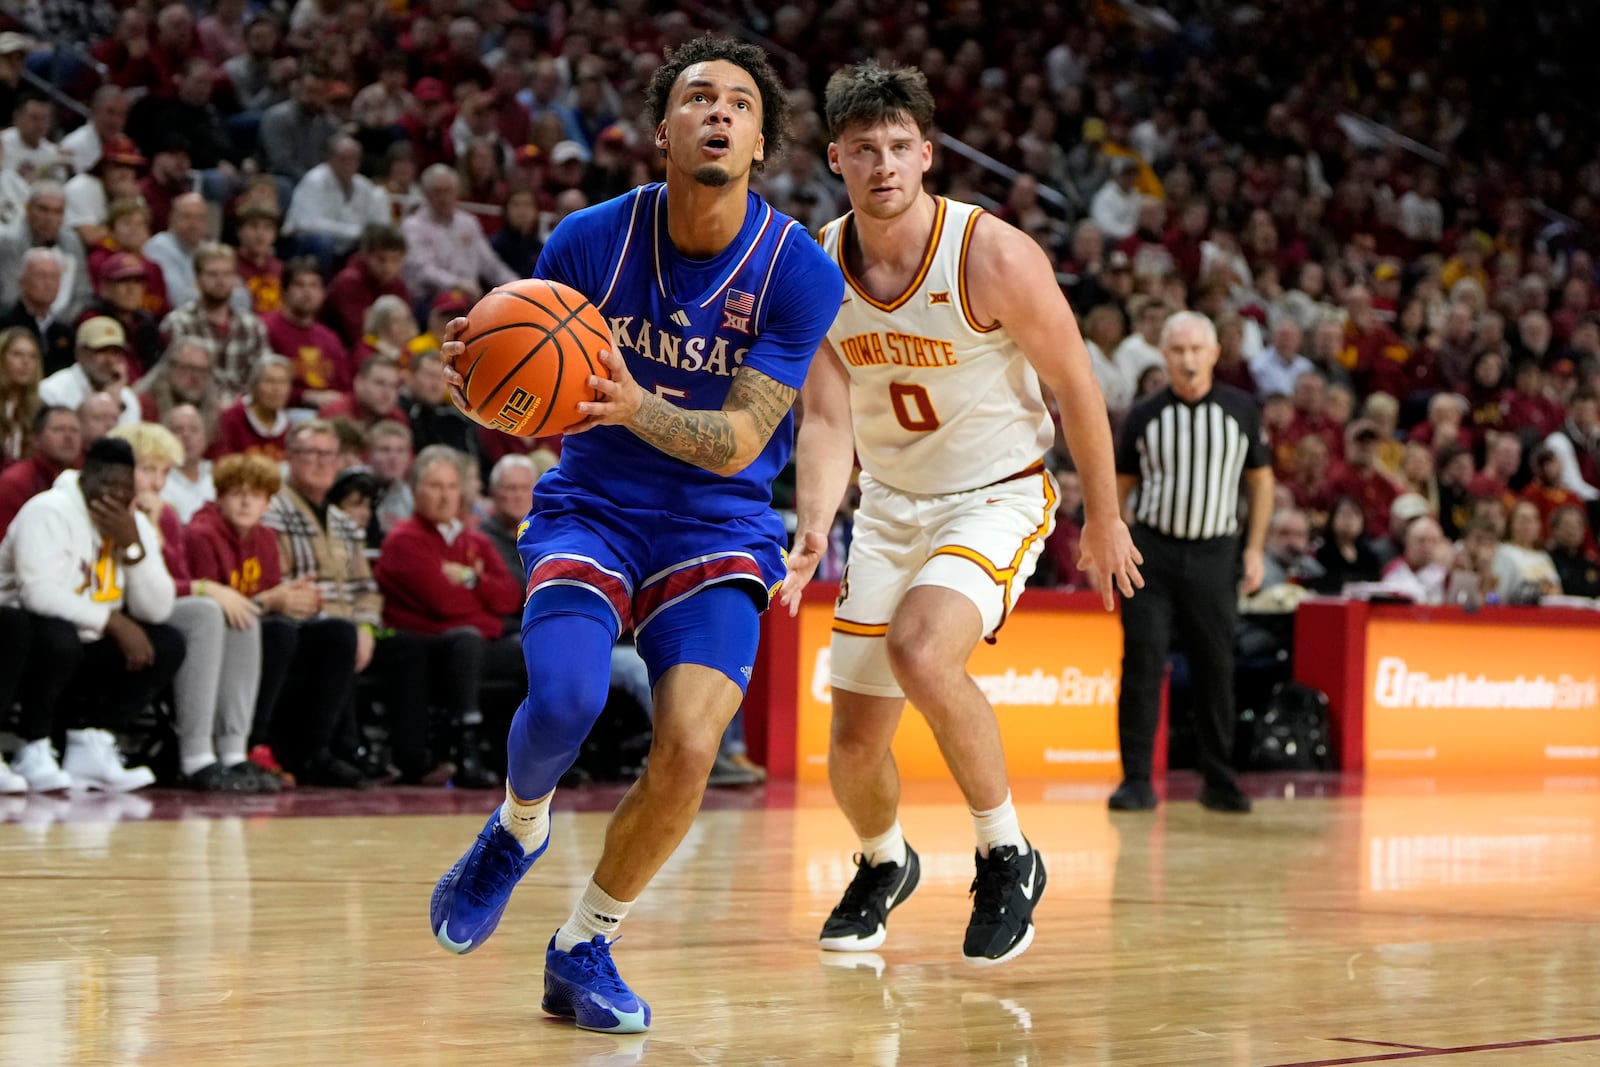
(87, 571)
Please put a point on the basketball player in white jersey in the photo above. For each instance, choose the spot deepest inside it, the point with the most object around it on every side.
(931, 374)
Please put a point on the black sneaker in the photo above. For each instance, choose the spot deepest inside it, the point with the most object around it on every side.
(1134, 794)
(1007, 887)
(1225, 797)
(859, 923)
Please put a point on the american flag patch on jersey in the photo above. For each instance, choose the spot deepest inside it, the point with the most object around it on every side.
(737, 310)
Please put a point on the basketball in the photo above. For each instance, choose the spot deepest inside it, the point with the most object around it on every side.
(531, 347)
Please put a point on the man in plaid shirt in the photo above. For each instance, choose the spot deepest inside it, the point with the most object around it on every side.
(236, 335)
(318, 541)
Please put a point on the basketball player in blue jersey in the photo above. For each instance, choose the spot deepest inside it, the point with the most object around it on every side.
(659, 516)
(931, 375)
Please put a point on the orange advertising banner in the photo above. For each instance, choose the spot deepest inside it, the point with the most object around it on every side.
(1052, 677)
(1479, 698)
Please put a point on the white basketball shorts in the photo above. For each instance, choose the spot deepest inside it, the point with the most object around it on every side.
(982, 543)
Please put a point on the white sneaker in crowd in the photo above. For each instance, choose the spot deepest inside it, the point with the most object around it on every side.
(36, 762)
(10, 780)
(93, 761)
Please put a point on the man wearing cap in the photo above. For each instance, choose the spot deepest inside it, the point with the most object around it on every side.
(120, 281)
(108, 120)
(1361, 477)
(446, 246)
(102, 366)
(428, 127)
(14, 49)
(114, 176)
(333, 203)
(42, 227)
(37, 288)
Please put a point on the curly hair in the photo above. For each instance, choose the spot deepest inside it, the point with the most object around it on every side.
(870, 94)
(747, 57)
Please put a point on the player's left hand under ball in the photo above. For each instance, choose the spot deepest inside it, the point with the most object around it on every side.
(620, 396)
(450, 351)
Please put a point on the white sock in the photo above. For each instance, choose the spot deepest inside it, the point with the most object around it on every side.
(998, 826)
(232, 757)
(194, 764)
(528, 822)
(597, 913)
(887, 847)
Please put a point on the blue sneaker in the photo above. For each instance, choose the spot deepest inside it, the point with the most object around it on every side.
(583, 985)
(472, 895)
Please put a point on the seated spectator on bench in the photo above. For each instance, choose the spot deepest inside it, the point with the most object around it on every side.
(86, 567)
(214, 692)
(1524, 570)
(185, 374)
(388, 330)
(449, 585)
(228, 545)
(510, 499)
(318, 541)
(102, 367)
(322, 371)
(434, 419)
(20, 374)
(389, 459)
(373, 398)
(188, 487)
(1576, 562)
(258, 422)
(57, 444)
(370, 275)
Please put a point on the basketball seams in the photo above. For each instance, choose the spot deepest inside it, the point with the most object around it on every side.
(556, 324)
(582, 348)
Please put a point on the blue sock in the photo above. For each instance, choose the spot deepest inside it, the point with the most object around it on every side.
(567, 646)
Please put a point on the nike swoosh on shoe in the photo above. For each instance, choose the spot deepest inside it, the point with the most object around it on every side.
(443, 937)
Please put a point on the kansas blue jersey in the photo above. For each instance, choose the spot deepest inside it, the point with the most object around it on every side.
(684, 326)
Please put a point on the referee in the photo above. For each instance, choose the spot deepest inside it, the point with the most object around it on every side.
(1184, 450)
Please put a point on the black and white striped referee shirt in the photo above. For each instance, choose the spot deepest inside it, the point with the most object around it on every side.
(1189, 459)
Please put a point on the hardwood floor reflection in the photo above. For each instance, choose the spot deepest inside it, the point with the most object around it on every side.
(1346, 929)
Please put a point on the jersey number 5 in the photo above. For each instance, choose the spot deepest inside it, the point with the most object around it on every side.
(913, 408)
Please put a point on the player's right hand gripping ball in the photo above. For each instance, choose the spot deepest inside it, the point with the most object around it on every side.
(531, 347)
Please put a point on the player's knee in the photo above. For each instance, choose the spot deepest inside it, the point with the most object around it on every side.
(915, 656)
(683, 763)
(566, 702)
(858, 739)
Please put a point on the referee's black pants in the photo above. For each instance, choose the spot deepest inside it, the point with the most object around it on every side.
(1191, 583)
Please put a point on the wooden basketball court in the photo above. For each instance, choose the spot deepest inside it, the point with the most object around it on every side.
(1335, 925)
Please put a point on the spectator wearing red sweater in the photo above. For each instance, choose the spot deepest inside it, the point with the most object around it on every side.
(374, 396)
(448, 585)
(257, 423)
(428, 127)
(1526, 407)
(260, 270)
(1502, 458)
(228, 545)
(373, 271)
(57, 443)
(321, 361)
(1361, 477)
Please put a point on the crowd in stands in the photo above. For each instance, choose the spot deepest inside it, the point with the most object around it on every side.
(232, 274)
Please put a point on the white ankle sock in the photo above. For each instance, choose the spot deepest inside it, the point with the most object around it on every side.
(998, 826)
(597, 913)
(528, 822)
(195, 764)
(887, 847)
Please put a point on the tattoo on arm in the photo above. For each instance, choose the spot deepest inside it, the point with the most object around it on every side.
(765, 400)
(708, 438)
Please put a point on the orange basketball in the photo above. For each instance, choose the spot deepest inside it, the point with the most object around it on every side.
(531, 346)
